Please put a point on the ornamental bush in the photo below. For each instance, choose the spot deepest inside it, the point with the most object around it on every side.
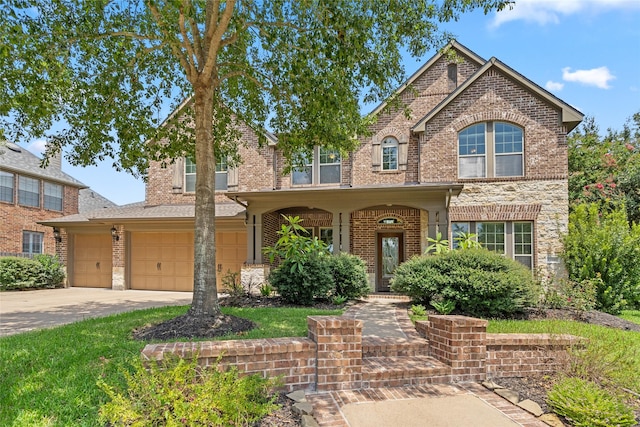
(349, 273)
(480, 282)
(43, 271)
(176, 392)
(603, 247)
(301, 281)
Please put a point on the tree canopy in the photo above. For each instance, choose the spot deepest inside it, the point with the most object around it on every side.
(107, 70)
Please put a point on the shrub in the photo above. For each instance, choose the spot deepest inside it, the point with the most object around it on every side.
(178, 392)
(480, 282)
(569, 294)
(350, 277)
(603, 247)
(418, 310)
(266, 289)
(587, 405)
(44, 271)
(301, 281)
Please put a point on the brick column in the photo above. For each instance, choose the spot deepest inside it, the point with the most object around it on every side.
(460, 342)
(338, 352)
(118, 260)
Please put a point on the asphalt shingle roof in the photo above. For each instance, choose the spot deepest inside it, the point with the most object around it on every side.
(90, 200)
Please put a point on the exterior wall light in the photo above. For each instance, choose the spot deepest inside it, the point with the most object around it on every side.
(114, 233)
(56, 234)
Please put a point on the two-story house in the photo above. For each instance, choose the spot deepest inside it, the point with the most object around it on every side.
(484, 151)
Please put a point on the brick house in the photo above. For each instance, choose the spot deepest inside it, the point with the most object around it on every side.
(483, 151)
(30, 194)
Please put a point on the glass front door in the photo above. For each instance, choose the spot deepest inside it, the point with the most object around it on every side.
(390, 255)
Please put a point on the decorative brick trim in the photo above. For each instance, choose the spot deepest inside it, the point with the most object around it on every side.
(495, 213)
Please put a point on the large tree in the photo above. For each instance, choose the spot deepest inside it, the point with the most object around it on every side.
(103, 71)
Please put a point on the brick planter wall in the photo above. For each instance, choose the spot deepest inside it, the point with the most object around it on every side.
(520, 355)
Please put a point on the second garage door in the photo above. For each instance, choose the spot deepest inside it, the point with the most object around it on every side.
(92, 260)
(164, 261)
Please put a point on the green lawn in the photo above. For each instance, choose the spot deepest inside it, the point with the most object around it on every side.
(48, 377)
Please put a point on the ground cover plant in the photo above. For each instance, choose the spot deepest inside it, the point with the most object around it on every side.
(49, 377)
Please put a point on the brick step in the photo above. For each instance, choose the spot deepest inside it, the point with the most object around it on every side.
(403, 371)
(394, 347)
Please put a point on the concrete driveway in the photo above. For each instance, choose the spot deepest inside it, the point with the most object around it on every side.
(28, 310)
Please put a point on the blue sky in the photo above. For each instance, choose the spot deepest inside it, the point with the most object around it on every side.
(586, 52)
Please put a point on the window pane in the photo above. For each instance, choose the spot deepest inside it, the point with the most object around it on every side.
(390, 255)
(472, 167)
(32, 242)
(326, 235)
(221, 165)
(329, 174)
(526, 260)
(52, 196)
(189, 175)
(28, 191)
(6, 187)
(508, 138)
(221, 181)
(390, 158)
(471, 140)
(302, 176)
(457, 230)
(329, 156)
(523, 238)
(509, 165)
(491, 236)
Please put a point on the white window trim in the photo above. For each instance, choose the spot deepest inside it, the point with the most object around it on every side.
(12, 178)
(218, 173)
(315, 166)
(39, 191)
(44, 194)
(490, 152)
(390, 142)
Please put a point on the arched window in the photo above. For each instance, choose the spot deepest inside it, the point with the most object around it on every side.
(389, 154)
(491, 149)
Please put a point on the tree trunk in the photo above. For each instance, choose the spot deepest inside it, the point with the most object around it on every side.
(205, 294)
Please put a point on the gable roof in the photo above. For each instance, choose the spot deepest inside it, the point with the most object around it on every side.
(570, 116)
(16, 159)
(451, 45)
(90, 200)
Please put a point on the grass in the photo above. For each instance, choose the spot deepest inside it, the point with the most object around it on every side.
(631, 315)
(48, 377)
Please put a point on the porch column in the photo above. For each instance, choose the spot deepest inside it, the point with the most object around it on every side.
(118, 259)
(345, 231)
(433, 223)
(254, 237)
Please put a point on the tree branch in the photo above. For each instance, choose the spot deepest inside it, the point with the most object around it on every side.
(219, 31)
(186, 43)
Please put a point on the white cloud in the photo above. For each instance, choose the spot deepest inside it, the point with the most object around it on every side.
(554, 86)
(37, 146)
(544, 12)
(598, 77)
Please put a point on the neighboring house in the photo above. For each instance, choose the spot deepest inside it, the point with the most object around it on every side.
(30, 194)
(484, 151)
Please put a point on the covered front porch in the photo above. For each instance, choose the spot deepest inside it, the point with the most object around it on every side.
(384, 225)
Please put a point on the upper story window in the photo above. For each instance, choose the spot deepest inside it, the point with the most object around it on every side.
(390, 154)
(324, 167)
(487, 150)
(6, 187)
(190, 175)
(52, 196)
(29, 191)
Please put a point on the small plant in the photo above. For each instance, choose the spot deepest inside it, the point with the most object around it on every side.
(587, 405)
(418, 310)
(339, 299)
(437, 245)
(178, 392)
(570, 294)
(266, 290)
(232, 284)
(444, 307)
(467, 241)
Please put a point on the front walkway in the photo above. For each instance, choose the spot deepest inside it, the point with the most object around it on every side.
(434, 405)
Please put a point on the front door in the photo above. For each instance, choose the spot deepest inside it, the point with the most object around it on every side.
(390, 248)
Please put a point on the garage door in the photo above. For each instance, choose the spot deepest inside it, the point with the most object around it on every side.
(92, 260)
(164, 261)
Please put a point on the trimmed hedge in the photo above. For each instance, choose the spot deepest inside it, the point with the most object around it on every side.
(350, 279)
(41, 272)
(480, 282)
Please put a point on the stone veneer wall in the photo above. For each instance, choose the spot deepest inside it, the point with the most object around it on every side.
(331, 358)
(551, 221)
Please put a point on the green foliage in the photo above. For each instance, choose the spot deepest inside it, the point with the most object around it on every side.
(444, 307)
(43, 271)
(266, 289)
(418, 310)
(177, 392)
(303, 281)
(295, 245)
(585, 404)
(232, 285)
(438, 245)
(606, 170)
(602, 247)
(350, 278)
(339, 300)
(467, 241)
(564, 293)
(480, 282)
